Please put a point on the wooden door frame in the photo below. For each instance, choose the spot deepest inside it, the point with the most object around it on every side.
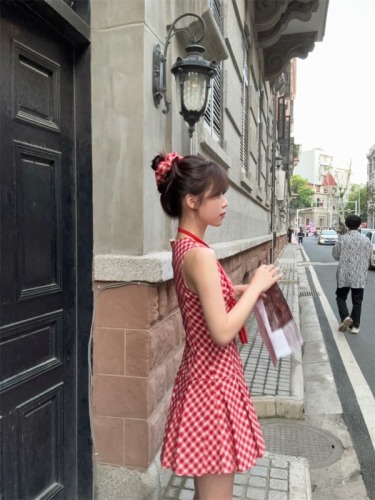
(77, 32)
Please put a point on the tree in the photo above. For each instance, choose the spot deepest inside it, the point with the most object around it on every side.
(301, 192)
(357, 194)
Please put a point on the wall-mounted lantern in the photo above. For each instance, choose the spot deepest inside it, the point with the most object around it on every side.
(193, 75)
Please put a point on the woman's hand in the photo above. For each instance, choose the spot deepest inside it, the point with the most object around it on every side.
(266, 276)
(239, 290)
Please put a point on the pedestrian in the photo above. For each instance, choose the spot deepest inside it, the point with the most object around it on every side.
(212, 430)
(289, 234)
(301, 235)
(353, 251)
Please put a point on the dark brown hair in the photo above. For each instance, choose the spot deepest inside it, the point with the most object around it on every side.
(353, 222)
(191, 174)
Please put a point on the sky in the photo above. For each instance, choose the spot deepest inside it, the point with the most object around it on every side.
(334, 108)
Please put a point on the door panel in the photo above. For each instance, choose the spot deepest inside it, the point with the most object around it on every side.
(38, 335)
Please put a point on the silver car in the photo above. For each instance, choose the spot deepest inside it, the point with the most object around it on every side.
(371, 236)
(327, 237)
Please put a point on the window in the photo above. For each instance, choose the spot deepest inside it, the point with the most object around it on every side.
(216, 9)
(212, 116)
(260, 131)
(244, 142)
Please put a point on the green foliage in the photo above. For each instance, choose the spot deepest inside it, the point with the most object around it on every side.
(357, 194)
(303, 193)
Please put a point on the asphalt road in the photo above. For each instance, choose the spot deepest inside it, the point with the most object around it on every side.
(363, 344)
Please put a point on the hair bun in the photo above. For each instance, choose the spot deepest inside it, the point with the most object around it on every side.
(164, 167)
(156, 160)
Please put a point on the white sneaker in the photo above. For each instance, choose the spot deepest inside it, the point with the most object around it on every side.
(345, 324)
(354, 329)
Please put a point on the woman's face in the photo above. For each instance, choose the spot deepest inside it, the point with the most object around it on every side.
(212, 208)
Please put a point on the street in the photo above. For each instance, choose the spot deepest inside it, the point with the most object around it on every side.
(321, 259)
(351, 356)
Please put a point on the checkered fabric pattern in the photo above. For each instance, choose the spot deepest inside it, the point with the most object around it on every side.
(212, 427)
(165, 166)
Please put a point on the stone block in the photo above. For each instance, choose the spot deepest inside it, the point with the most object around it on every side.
(109, 351)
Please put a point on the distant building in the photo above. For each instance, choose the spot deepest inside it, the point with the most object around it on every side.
(324, 212)
(314, 164)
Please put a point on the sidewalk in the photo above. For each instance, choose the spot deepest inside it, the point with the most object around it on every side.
(276, 392)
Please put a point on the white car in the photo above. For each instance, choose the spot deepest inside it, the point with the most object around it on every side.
(371, 236)
(327, 237)
(365, 230)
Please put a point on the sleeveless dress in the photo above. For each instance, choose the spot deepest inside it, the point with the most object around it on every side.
(212, 427)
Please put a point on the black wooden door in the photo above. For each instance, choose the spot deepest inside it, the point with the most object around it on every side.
(39, 337)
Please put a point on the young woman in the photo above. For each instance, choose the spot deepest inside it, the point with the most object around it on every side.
(212, 430)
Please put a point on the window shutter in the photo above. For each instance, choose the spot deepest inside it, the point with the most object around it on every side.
(244, 142)
(213, 114)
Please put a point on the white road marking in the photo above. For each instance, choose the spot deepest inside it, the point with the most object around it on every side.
(361, 389)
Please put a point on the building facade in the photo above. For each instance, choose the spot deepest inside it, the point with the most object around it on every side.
(138, 335)
(90, 295)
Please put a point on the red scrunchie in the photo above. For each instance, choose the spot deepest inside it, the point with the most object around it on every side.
(165, 166)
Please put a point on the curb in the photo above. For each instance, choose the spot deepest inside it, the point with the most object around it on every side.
(292, 406)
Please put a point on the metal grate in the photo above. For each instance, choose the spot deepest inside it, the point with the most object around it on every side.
(299, 439)
(309, 294)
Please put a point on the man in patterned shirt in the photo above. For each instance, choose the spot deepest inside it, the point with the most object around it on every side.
(353, 251)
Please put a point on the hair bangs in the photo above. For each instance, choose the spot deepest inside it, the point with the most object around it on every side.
(219, 181)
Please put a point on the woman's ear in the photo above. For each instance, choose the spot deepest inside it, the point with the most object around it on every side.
(191, 201)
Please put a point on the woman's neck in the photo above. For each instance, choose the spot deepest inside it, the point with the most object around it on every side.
(191, 227)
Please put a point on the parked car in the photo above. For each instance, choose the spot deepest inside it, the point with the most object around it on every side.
(365, 230)
(371, 236)
(327, 237)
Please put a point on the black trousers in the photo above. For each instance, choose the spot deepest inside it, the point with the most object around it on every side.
(357, 298)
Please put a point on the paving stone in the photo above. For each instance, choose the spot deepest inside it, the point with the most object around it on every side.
(277, 495)
(257, 482)
(237, 490)
(256, 494)
(186, 495)
(279, 463)
(171, 492)
(258, 470)
(279, 473)
(189, 484)
(177, 480)
(278, 484)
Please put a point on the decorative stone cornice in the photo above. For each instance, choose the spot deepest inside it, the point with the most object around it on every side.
(275, 36)
(295, 10)
(289, 46)
(268, 13)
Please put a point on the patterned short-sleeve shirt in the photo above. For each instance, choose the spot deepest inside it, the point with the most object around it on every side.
(353, 251)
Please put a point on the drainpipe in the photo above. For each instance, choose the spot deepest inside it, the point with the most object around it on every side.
(276, 162)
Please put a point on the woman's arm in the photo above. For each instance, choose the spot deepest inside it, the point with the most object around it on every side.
(239, 290)
(202, 277)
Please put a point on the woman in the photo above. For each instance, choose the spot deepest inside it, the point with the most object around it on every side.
(212, 430)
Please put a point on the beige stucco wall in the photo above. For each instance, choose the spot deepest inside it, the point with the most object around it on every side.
(128, 130)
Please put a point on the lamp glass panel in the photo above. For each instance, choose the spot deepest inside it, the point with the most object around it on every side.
(178, 92)
(194, 92)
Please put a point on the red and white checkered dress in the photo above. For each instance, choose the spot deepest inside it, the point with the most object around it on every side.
(212, 427)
